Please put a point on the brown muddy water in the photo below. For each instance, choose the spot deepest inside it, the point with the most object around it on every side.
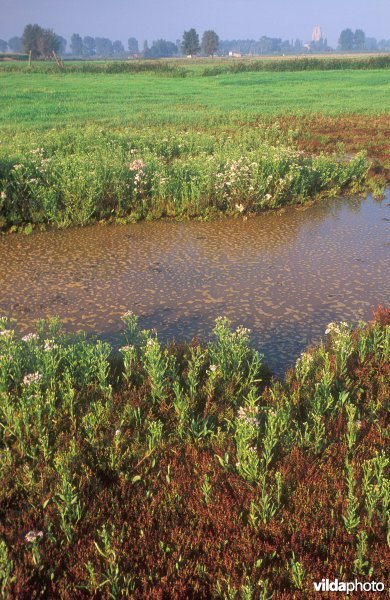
(284, 275)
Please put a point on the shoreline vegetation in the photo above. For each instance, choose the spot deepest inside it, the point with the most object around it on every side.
(186, 470)
(79, 178)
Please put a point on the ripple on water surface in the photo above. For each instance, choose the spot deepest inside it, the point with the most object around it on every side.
(285, 275)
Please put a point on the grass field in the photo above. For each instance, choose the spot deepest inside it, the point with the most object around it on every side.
(40, 101)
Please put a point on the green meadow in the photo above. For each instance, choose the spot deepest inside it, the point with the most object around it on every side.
(36, 101)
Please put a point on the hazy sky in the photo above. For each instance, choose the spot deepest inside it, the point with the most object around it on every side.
(152, 19)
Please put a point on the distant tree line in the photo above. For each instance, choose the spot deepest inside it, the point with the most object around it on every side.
(41, 42)
(358, 42)
(37, 40)
(265, 45)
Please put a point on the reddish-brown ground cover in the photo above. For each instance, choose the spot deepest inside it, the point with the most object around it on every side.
(346, 134)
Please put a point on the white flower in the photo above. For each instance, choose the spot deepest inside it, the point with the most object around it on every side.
(332, 328)
(137, 165)
(49, 345)
(29, 337)
(240, 208)
(243, 331)
(247, 415)
(32, 378)
(213, 368)
(33, 535)
(3, 195)
(126, 348)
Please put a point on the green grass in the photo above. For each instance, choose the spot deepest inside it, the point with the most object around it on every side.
(41, 101)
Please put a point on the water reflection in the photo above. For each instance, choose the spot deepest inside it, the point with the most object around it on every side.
(285, 275)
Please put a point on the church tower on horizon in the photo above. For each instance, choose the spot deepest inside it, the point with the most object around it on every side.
(316, 36)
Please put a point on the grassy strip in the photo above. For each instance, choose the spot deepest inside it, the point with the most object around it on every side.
(178, 472)
(182, 68)
(301, 64)
(76, 178)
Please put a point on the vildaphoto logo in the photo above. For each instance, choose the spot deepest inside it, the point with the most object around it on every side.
(348, 586)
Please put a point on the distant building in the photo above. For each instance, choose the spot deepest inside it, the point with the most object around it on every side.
(318, 43)
(316, 36)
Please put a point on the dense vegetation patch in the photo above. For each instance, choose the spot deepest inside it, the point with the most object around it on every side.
(184, 472)
(75, 178)
(301, 64)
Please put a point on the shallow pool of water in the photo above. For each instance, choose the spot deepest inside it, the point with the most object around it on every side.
(285, 275)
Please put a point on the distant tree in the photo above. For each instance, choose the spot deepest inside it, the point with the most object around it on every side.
(265, 45)
(319, 46)
(298, 45)
(190, 42)
(285, 47)
(346, 39)
(76, 44)
(62, 43)
(132, 45)
(161, 49)
(118, 48)
(359, 39)
(384, 45)
(30, 37)
(89, 45)
(3, 46)
(15, 44)
(371, 44)
(145, 48)
(210, 42)
(103, 46)
(47, 43)
(40, 42)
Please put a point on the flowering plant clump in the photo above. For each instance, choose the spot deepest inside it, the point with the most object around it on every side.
(31, 378)
(30, 337)
(100, 174)
(33, 536)
(249, 415)
(303, 366)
